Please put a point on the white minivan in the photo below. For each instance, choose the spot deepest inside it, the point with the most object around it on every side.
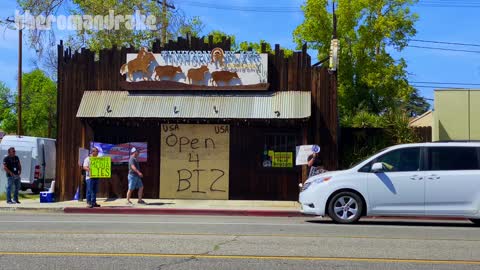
(37, 156)
(427, 179)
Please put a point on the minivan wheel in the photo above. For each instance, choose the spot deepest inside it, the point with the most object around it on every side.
(476, 221)
(345, 208)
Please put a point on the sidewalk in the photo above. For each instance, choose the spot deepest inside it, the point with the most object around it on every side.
(184, 207)
(164, 207)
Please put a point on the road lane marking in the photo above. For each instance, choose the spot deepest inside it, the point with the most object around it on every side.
(241, 257)
(153, 222)
(237, 235)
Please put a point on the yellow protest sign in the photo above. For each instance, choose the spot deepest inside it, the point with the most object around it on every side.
(194, 162)
(100, 167)
(282, 160)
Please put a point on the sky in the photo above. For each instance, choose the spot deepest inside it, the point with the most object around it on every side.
(445, 24)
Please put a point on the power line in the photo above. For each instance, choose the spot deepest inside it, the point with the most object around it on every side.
(442, 49)
(294, 9)
(436, 87)
(449, 3)
(274, 9)
(443, 42)
(446, 83)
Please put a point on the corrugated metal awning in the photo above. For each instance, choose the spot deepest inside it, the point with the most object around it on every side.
(121, 104)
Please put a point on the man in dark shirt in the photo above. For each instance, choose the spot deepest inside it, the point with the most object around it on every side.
(134, 177)
(13, 168)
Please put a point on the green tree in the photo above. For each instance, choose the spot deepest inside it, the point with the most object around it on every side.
(96, 39)
(370, 79)
(7, 109)
(218, 36)
(39, 106)
(257, 46)
(417, 105)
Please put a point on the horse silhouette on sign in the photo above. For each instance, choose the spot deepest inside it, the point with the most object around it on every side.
(139, 64)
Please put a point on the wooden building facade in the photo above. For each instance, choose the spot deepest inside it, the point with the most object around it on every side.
(94, 106)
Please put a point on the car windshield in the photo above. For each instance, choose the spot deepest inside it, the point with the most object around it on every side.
(369, 157)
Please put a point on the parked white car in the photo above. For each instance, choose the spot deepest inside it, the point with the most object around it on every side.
(427, 179)
(37, 156)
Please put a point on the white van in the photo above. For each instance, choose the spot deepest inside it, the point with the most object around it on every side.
(37, 156)
(425, 179)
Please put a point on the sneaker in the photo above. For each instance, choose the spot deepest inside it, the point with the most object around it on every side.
(129, 203)
(90, 206)
(141, 202)
(17, 202)
(10, 202)
(96, 205)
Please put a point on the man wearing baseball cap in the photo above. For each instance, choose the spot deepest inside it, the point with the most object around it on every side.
(134, 177)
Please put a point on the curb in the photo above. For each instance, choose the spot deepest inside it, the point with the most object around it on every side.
(206, 212)
(32, 209)
(182, 211)
(232, 212)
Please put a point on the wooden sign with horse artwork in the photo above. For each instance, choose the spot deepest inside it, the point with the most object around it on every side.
(195, 70)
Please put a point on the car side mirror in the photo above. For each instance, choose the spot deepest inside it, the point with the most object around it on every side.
(378, 167)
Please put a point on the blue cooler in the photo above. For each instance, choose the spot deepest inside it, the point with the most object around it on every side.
(47, 197)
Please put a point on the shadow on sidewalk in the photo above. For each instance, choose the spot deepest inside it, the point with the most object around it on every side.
(159, 203)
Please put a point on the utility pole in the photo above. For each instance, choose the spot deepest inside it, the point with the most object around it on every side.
(334, 20)
(165, 5)
(334, 46)
(334, 62)
(19, 124)
(19, 107)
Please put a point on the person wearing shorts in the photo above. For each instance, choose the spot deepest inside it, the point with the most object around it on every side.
(134, 177)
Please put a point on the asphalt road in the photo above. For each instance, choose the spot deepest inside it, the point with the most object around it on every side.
(48, 241)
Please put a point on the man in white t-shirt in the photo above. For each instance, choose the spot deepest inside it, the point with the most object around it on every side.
(92, 183)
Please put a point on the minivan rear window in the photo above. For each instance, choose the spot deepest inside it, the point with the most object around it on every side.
(453, 158)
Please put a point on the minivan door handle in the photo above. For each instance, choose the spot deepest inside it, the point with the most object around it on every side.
(416, 177)
(433, 177)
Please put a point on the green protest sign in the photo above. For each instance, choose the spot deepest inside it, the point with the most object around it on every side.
(100, 167)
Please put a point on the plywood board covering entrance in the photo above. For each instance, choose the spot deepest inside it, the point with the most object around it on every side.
(194, 161)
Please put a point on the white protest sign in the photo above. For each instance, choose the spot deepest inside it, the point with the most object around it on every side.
(303, 152)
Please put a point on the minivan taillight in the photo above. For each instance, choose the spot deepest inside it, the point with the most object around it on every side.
(37, 172)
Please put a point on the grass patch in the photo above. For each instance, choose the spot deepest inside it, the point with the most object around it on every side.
(29, 196)
(22, 196)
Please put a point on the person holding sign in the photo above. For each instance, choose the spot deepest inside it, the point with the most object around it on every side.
(134, 177)
(92, 183)
(315, 164)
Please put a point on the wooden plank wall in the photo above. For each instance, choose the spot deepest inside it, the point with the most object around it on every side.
(79, 71)
(324, 120)
(248, 179)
